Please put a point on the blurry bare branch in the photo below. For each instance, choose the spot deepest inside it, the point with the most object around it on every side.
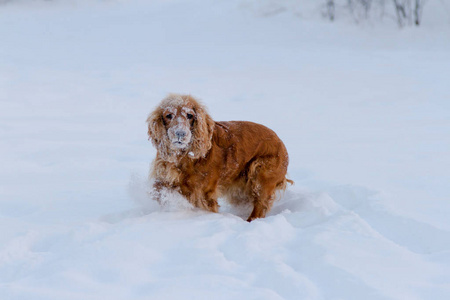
(406, 12)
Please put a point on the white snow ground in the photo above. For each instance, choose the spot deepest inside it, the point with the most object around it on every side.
(364, 112)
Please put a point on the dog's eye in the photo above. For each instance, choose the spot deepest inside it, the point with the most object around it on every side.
(169, 116)
(189, 116)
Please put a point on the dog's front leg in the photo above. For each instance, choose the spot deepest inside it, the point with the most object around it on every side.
(159, 188)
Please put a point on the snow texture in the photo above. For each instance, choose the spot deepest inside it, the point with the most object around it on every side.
(364, 113)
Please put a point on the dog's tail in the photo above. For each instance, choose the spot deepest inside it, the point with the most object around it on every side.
(283, 184)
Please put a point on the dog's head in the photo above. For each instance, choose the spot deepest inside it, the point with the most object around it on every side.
(180, 126)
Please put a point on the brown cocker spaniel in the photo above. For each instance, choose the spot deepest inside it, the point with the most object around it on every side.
(204, 160)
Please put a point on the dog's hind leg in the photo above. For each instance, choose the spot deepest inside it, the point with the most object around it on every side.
(262, 203)
(265, 176)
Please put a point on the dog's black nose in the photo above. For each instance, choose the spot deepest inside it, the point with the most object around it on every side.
(180, 134)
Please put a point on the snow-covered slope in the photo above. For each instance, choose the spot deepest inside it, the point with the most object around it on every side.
(364, 113)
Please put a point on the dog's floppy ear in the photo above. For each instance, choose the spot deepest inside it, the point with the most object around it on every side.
(202, 132)
(156, 130)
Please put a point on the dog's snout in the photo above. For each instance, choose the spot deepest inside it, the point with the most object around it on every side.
(180, 134)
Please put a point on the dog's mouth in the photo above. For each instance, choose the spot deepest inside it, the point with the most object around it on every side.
(179, 144)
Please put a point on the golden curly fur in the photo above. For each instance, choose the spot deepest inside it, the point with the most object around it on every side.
(204, 160)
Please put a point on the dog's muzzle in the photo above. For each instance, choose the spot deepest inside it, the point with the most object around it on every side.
(180, 137)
